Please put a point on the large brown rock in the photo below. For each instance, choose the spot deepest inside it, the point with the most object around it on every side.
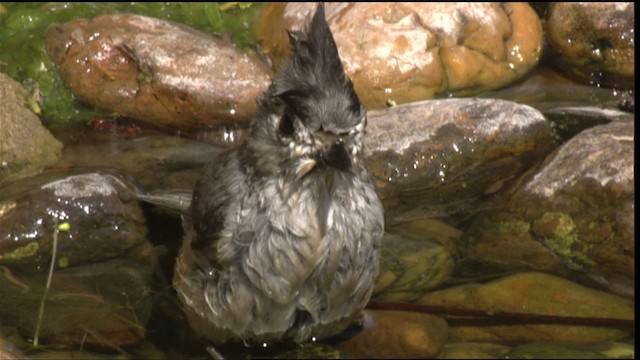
(404, 52)
(156, 71)
(594, 40)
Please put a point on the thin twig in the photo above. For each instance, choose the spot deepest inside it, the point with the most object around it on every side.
(46, 289)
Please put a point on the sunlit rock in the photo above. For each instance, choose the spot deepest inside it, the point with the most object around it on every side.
(575, 212)
(402, 52)
(157, 71)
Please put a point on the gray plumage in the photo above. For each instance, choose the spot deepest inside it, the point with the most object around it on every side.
(283, 237)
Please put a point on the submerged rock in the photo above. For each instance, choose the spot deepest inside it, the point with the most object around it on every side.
(571, 120)
(474, 350)
(552, 350)
(105, 305)
(389, 334)
(533, 293)
(89, 233)
(409, 268)
(156, 161)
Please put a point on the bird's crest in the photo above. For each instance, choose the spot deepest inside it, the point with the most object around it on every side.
(313, 84)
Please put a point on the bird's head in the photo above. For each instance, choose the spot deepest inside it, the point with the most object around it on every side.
(311, 116)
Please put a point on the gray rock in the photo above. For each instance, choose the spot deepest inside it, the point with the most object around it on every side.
(90, 227)
(102, 212)
(584, 196)
(430, 159)
(438, 157)
(574, 212)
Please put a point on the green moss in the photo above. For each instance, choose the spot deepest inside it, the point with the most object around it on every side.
(22, 252)
(513, 227)
(564, 224)
(22, 41)
(563, 239)
(63, 262)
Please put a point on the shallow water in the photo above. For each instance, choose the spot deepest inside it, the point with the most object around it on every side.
(173, 161)
(157, 160)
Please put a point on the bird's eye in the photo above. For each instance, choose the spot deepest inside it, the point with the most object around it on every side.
(286, 124)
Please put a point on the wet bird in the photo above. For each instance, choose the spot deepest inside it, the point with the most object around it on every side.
(283, 235)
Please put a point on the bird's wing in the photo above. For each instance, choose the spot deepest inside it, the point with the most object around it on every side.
(211, 199)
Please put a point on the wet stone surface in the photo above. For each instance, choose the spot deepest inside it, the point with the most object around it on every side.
(157, 71)
(405, 52)
(447, 154)
(104, 217)
(405, 335)
(594, 41)
(90, 230)
(574, 213)
(409, 268)
(532, 293)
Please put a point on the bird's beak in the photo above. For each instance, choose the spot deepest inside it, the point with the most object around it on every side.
(337, 156)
